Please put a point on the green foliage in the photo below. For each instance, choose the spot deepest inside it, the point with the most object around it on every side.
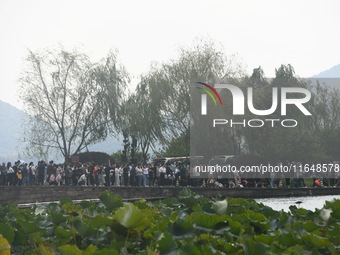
(5, 248)
(313, 139)
(69, 250)
(159, 108)
(178, 147)
(130, 216)
(189, 224)
(118, 156)
(7, 232)
(111, 202)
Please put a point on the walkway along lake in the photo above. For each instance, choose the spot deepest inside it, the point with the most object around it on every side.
(20, 195)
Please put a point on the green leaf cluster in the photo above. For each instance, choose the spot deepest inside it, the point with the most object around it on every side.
(188, 224)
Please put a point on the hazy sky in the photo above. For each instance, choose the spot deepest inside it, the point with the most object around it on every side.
(305, 34)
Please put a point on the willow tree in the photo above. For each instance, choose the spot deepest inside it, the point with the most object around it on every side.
(325, 109)
(170, 84)
(273, 141)
(70, 100)
(142, 119)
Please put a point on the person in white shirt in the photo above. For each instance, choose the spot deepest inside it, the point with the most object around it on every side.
(162, 171)
(139, 175)
(10, 174)
(82, 180)
(145, 176)
(117, 175)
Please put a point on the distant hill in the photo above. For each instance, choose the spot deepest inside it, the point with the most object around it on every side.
(109, 146)
(333, 72)
(11, 120)
(330, 77)
(11, 132)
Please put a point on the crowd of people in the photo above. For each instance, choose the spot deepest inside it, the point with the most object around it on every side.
(139, 175)
(91, 174)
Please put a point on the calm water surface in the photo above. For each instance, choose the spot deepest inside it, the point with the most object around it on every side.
(309, 203)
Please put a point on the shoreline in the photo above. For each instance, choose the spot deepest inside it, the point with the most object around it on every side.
(33, 194)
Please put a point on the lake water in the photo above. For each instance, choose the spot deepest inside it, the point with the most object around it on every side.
(309, 203)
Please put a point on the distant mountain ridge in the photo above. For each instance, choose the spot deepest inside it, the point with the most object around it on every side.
(333, 72)
(11, 120)
(11, 135)
(330, 77)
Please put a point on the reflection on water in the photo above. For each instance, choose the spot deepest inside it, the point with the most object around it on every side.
(309, 203)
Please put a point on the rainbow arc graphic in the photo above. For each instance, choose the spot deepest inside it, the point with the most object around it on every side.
(211, 91)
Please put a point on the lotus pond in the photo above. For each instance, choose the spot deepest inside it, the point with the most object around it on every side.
(189, 224)
(307, 202)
